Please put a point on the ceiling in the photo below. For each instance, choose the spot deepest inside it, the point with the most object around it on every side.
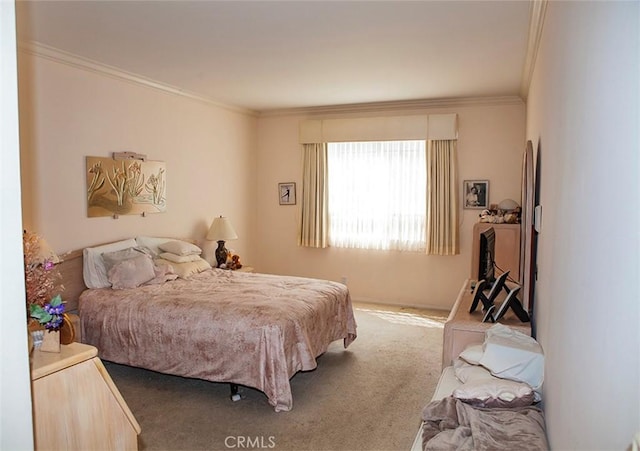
(274, 55)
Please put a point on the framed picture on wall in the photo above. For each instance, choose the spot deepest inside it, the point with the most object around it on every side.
(287, 193)
(476, 194)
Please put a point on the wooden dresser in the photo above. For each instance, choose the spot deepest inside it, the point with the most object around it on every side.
(463, 328)
(507, 248)
(76, 405)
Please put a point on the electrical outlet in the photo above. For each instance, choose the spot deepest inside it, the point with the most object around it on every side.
(343, 280)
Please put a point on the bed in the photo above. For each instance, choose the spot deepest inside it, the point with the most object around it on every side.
(489, 398)
(256, 330)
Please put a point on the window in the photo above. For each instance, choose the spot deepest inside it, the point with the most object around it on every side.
(377, 195)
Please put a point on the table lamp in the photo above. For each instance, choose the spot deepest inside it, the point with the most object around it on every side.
(508, 205)
(221, 230)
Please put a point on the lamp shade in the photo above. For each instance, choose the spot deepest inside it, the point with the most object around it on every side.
(508, 205)
(221, 230)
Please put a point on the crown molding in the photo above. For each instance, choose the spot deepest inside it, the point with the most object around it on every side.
(374, 107)
(80, 62)
(536, 23)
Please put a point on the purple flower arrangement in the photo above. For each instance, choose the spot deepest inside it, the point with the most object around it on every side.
(51, 314)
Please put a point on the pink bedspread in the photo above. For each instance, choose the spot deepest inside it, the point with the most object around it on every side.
(256, 330)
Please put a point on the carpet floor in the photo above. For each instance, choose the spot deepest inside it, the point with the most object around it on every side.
(367, 397)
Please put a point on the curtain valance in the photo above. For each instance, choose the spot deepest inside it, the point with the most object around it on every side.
(385, 128)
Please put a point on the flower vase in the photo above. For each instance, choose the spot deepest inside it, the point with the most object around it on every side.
(50, 341)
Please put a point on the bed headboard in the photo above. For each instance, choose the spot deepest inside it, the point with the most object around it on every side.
(71, 278)
(70, 269)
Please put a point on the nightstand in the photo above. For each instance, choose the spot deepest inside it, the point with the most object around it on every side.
(245, 269)
(76, 405)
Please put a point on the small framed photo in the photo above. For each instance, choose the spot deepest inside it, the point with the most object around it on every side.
(476, 194)
(287, 193)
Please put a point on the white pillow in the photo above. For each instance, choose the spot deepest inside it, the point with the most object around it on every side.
(510, 354)
(94, 272)
(481, 389)
(179, 258)
(180, 248)
(472, 354)
(495, 393)
(152, 243)
(131, 272)
(184, 270)
(110, 259)
(466, 372)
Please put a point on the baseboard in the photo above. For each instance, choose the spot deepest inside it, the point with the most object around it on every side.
(365, 300)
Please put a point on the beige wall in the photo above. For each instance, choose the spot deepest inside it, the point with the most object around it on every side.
(67, 113)
(582, 117)
(221, 161)
(490, 146)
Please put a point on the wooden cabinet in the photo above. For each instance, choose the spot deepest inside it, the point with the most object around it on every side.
(463, 328)
(507, 248)
(76, 405)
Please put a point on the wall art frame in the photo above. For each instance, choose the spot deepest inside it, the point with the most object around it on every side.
(125, 187)
(475, 194)
(287, 193)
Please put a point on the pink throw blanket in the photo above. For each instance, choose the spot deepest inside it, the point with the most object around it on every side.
(256, 330)
(451, 424)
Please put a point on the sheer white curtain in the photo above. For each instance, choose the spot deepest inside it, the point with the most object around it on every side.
(377, 195)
